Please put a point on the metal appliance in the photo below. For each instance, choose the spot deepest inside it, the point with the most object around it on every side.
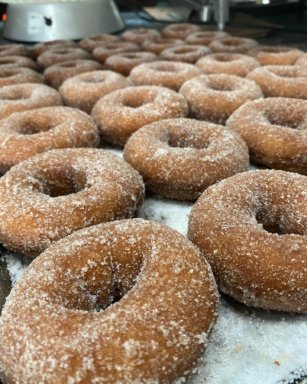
(35, 20)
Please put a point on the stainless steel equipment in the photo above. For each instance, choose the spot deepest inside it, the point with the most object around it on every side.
(40, 21)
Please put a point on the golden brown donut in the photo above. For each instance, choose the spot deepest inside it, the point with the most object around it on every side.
(58, 55)
(139, 35)
(281, 80)
(164, 73)
(55, 193)
(83, 91)
(158, 45)
(123, 63)
(275, 130)
(252, 228)
(180, 158)
(124, 111)
(21, 97)
(277, 55)
(228, 63)
(205, 37)
(179, 30)
(19, 75)
(232, 45)
(216, 97)
(302, 60)
(16, 61)
(106, 50)
(14, 50)
(25, 134)
(94, 41)
(56, 74)
(155, 333)
(187, 53)
(40, 48)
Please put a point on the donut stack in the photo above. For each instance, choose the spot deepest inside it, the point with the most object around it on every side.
(190, 108)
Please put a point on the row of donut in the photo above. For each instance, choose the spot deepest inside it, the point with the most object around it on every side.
(273, 128)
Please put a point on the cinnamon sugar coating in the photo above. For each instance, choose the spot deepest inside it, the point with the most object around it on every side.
(275, 131)
(275, 55)
(52, 333)
(16, 61)
(25, 134)
(22, 97)
(139, 35)
(123, 63)
(19, 75)
(215, 97)
(186, 53)
(228, 63)
(60, 54)
(232, 44)
(124, 111)
(180, 30)
(94, 41)
(169, 74)
(252, 228)
(14, 50)
(40, 48)
(56, 74)
(180, 158)
(106, 50)
(55, 193)
(281, 80)
(83, 91)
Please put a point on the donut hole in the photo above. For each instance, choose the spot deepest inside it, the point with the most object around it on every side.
(224, 58)
(282, 119)
(32, 127)
(6, 74)
(220, 85)
(287, 73)
(6, 62)
(186, 140)
(165, 68)
(91, 79)
(68, 65)
(232, 42)
(183, 50)
(60, 182)
(135, 101)
(272, 226)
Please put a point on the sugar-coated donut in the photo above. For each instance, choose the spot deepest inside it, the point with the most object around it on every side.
(232, 45)
(58, 55)
(19, 75)
(302, 60)
(275, 130)
(276, 55)
(55, 193)
(25, 134)
(281, 80)
(180, 30)
(14, 50)
(16, 61)
(155, 333)
(216, 97)
(21, 97)
(169, 74)
(106, 50)
(228, 63)
(158, 45)
(94, 41)
(186, 53)
(40, 48)
(180, 158)
(83, 91)
(124, 111)
(123, 63)
(252, 228)
(139, 35)
(56, 74)
(205, 37)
